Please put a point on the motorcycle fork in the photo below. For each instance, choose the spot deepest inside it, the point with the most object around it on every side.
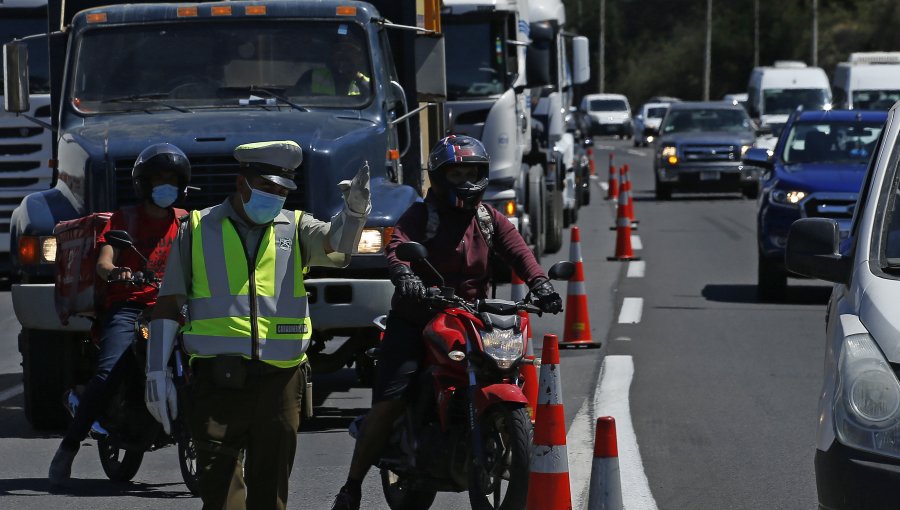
(474, 427)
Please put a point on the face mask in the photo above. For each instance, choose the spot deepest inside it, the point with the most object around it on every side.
(164, 195)
(262, 207)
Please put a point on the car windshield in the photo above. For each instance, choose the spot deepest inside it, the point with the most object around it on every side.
(881, 100)
(656, 113)
(608, 105)
(38, 63)
(830, 142)
(706, 119)
(785, 101)
(476, 63)
(196, 65)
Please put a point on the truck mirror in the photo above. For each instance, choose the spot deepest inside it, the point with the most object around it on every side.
(538, 56)
(581, 71)
(431, 68)
(15, 77)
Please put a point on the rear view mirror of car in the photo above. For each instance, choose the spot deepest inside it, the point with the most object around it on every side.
(757, 156)
(813, 250)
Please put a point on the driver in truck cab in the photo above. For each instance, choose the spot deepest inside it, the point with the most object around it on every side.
(160, 175)
(460, 233)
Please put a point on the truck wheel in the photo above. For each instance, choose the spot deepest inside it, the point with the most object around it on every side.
(554, 234)
(751, 191)
(663, 191)
(47, 360)
(771, 280)
(536, 190)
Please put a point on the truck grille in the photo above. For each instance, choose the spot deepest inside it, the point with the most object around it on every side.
(709, 152)
(835, 207)
(212, 174)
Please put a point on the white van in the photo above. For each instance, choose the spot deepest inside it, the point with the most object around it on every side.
(867, 81)
(774, 92)
(610, 114)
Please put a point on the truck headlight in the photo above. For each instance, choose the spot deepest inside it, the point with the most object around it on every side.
(374, 239)
(744, 149)
(867, 399)
(37, 250)
(505, 346)
(790, 198)
(669, 154)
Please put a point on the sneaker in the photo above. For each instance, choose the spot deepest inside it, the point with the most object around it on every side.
(61, 466)
(347, 499)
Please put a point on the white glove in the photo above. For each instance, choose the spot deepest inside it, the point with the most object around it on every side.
(357, 196)
(347, 225)
(160, 396)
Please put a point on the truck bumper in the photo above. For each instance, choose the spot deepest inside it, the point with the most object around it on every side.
(712, 177)
(340, 303)
(34, 307)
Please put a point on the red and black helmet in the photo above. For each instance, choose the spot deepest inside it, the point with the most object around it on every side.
(459, 150)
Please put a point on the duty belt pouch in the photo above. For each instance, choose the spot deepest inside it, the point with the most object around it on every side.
(228, 372)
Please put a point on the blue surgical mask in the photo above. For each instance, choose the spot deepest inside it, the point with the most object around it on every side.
(164, 195)
(262, 207)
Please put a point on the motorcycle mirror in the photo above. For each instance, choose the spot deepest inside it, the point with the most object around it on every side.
(562, 270)
(118, 239)
(411, 251)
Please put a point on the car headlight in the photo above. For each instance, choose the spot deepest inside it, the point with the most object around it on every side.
(373, 240)
(867, 399)
(744, 149)
(505, 346)
(669, 154)
(790, 198)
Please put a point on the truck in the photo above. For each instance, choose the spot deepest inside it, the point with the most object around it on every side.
(207, 77)
(867, 81)
(25, 145)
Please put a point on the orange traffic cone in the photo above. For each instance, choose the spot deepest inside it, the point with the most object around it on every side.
(612, 192)
(578, 321)
(548, 485)
(529, 374)
(606, 483)
(517, 288)
(623, 233)
(629, 209)
(592, 166)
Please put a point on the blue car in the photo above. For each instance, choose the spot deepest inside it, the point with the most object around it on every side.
(816, 170)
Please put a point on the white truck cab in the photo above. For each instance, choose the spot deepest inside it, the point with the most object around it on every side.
(867, 81)
(774, 92)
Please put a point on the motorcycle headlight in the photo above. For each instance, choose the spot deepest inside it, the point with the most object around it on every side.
(505, 346)
(867, 402)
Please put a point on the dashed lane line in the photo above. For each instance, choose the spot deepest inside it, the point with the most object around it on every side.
(632, 309)
(636, 269)
(13, 392)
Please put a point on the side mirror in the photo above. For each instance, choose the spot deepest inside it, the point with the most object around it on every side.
(15, 77)
(562, 270)
(119, 239)
(813, 250)
(431, 68)
(581, 65)
(538, 55)
(757, 156)
(411, 252)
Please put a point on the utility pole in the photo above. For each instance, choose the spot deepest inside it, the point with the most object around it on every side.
(815, 33)
(755, 33)
(708, 56)
(601, 75)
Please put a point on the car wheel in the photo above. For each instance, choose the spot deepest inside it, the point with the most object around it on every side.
(663, 190)
(750, 191)
(771, 280)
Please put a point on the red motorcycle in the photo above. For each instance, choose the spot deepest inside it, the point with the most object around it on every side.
(466, 427)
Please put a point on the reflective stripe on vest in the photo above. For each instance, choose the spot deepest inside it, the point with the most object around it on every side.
(266, 318)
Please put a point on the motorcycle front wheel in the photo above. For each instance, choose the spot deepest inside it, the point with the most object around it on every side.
(120, 465)
(502, 482)
(187, 461)
(401, 494)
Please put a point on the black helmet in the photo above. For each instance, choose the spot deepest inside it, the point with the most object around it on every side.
(160, 157)
(458, 150)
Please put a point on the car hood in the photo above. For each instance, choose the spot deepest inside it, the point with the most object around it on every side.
(878, 313)
(822, 177)
(709, 137)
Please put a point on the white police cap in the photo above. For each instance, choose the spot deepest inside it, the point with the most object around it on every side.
(274, 161)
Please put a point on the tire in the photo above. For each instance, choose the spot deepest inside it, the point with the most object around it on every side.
(663, 191)
(536, 195)
(553, 238)
(750, 192)
(506, 434)
(187, 461)
(771, 280)
(48, 360)
(119, 465)
(401, 494)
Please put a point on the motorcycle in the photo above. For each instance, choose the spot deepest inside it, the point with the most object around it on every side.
(467, 427)
(126, 430)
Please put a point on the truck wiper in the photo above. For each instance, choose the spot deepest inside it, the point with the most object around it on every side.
(263, 91)
(148, 98)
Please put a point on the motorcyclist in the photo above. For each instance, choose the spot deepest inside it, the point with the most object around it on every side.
(460, 233)
(159, 176)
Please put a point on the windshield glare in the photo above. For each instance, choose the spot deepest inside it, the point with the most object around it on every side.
(194, 65)
(824, 142)
(881, 100)
(707, 119)
(608, 105)
(475, 59)
(785, 101)
(38, 63)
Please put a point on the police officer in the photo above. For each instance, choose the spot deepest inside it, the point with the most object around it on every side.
(239, 267)
(460, 233)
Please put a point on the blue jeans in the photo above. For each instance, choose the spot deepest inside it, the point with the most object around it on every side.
(118, 334)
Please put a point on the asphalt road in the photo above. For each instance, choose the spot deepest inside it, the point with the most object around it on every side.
(723, 397)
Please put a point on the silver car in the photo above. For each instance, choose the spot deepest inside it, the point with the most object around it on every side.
(858, 435)
(646, 122)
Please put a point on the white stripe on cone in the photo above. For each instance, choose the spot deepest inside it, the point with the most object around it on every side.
(549, 459)
(606, 489)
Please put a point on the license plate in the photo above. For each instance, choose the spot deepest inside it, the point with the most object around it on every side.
(709, 176)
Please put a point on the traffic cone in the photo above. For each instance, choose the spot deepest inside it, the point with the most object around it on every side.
(548, 484)
(591, 165)
(623, 233)
(517, 288)
(606, 483)
(578, 321)
(529, 374)
(612, 192)
(629, 209)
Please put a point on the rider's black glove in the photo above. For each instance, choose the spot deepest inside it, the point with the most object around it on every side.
(407, 283)
(548, 299)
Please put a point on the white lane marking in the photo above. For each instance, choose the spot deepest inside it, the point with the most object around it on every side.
(634, 152)
(580, 440)
(632, 309)
(636, 269)
(13, 392)
(636, 242)
(604, 147)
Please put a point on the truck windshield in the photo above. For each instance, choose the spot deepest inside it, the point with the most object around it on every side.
(476, 59)
(785, 101)
(608, 105)
(830, 142)
(875, 99)
(706, 119)
(656, 113)
(214, 65)
(13, 27)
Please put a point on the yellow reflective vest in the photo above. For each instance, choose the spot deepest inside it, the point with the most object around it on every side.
(259, 310)
(323, 83)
